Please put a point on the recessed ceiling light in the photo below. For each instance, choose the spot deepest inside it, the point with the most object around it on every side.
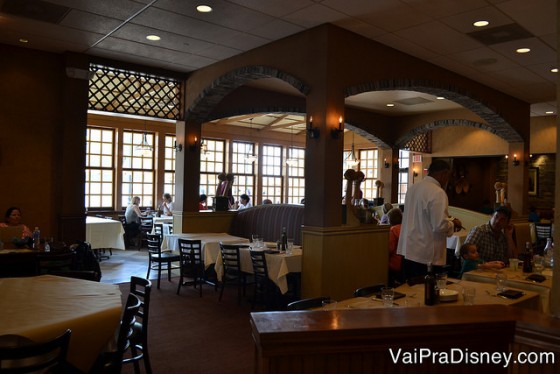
(390, 104)
(549, 112)
(23, 40)
(204, 8)
(523, 50)
(480, 23)
(153, 38)
(440, 98)
(554, 70)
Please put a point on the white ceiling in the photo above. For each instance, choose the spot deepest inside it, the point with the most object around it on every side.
(433, 30)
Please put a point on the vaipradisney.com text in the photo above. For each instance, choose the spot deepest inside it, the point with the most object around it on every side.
(465, 356)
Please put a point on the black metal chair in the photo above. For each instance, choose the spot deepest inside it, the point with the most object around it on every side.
(265, 289)
(369, 290)
(192, 265)
(25, 356)
(111, 362)
(232, 269)
(142, 289)
(304, 304)
(158, 260)
(146, 227)
(158, 229)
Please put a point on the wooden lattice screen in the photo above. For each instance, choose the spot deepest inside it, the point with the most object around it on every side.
(129, 92)
(420, 143)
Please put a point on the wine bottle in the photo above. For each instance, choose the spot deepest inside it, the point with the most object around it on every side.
(284, 240)
(528, 258)
(430, 289)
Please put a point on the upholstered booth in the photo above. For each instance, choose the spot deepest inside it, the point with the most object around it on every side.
(268, 220)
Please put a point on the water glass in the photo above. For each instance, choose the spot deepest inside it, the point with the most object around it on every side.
(469, 294)
(501, 279)
(329, 304)
(387, 295)
(441, 281)
(513, 264)
(290, 248)
(538, 264)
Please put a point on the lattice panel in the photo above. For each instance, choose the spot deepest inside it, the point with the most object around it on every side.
(120, 91)
(420, 143)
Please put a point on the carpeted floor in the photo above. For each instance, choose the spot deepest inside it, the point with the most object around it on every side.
(197, 335)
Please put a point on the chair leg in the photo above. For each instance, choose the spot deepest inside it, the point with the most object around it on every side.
(158, 274)
(169, 271)
(180, 283)
(135, 362)
(147, 364)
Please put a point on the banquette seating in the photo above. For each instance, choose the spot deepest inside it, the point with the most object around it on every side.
(268, 220)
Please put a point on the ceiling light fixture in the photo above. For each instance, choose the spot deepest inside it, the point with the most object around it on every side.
(291, 161)
(23, 40)
(549, 112)
(153, 38)
(145, 148)
(481, 23)
(352, 160)
(554, 70)
(204, 8)
(390, 105)
(523, 50)
(251, 157)
(440, 98)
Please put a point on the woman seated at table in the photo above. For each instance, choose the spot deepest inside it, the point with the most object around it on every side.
(133, 214)
(167, 205)
(12, 218)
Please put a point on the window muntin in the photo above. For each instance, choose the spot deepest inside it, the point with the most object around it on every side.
(243, 169)
(212, 164)
(296, 175)
(169, 165)
(272, 173)
(369, 166)
(404, 162)
(99, 185)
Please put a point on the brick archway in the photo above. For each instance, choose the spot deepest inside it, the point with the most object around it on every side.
(210, 96)
(494, 122)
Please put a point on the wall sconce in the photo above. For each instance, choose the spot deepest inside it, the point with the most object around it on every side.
(195, 145)
(178, 147)
(312, 132)
(515, 160)
(414, 173)
(336, 132)
(386, 164)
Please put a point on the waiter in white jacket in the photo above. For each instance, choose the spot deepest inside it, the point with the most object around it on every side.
(426, 223)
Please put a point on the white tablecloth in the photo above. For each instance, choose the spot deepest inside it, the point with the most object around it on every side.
(210, 243)
(104, 233)
(43, 307)
(278, 265)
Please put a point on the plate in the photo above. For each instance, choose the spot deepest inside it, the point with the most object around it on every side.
(447, 295)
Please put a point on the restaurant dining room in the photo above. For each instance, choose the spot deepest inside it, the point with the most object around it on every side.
(278, 187)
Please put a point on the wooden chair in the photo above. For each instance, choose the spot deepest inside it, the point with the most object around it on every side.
(146, 227)
(26, 356)
(265, 289)
(142, 289)
(232, 269)
(304, 304)
(158, 260)
(111, 362)
(192, 265)
(369, 290)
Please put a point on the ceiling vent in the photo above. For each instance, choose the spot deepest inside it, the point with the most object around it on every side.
(413, 101)
(35, 9)
(501, 34)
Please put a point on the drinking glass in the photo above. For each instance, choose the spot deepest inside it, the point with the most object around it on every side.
(501, 279)
(387, 295)
(538, 264)
(329, 304)
(290, 248)
(513, 263)
(469, 294)
(441, 281)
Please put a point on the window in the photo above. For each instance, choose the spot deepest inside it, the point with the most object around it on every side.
(243, 169)
(99, 168)
(404, 162)
(138, 169)
(368, 166)
(212, 164)
(169, 165)
(296, 175)
(272, 173)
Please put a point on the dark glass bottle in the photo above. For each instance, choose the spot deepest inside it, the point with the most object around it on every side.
(528, 258)
(430, 290)
(284, 240)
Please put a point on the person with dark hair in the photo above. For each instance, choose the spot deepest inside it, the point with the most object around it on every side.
(267, 201)
(12, 218)
(244, 202)
(426, 223)
(166, 206)
(533, 215)
(494, 240)
(202, 202)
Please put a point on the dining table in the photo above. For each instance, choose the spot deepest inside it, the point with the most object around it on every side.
(41, 308)
(104, 233)
(516, 278)
(279, 265)
(414, 297)
(210, 242)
